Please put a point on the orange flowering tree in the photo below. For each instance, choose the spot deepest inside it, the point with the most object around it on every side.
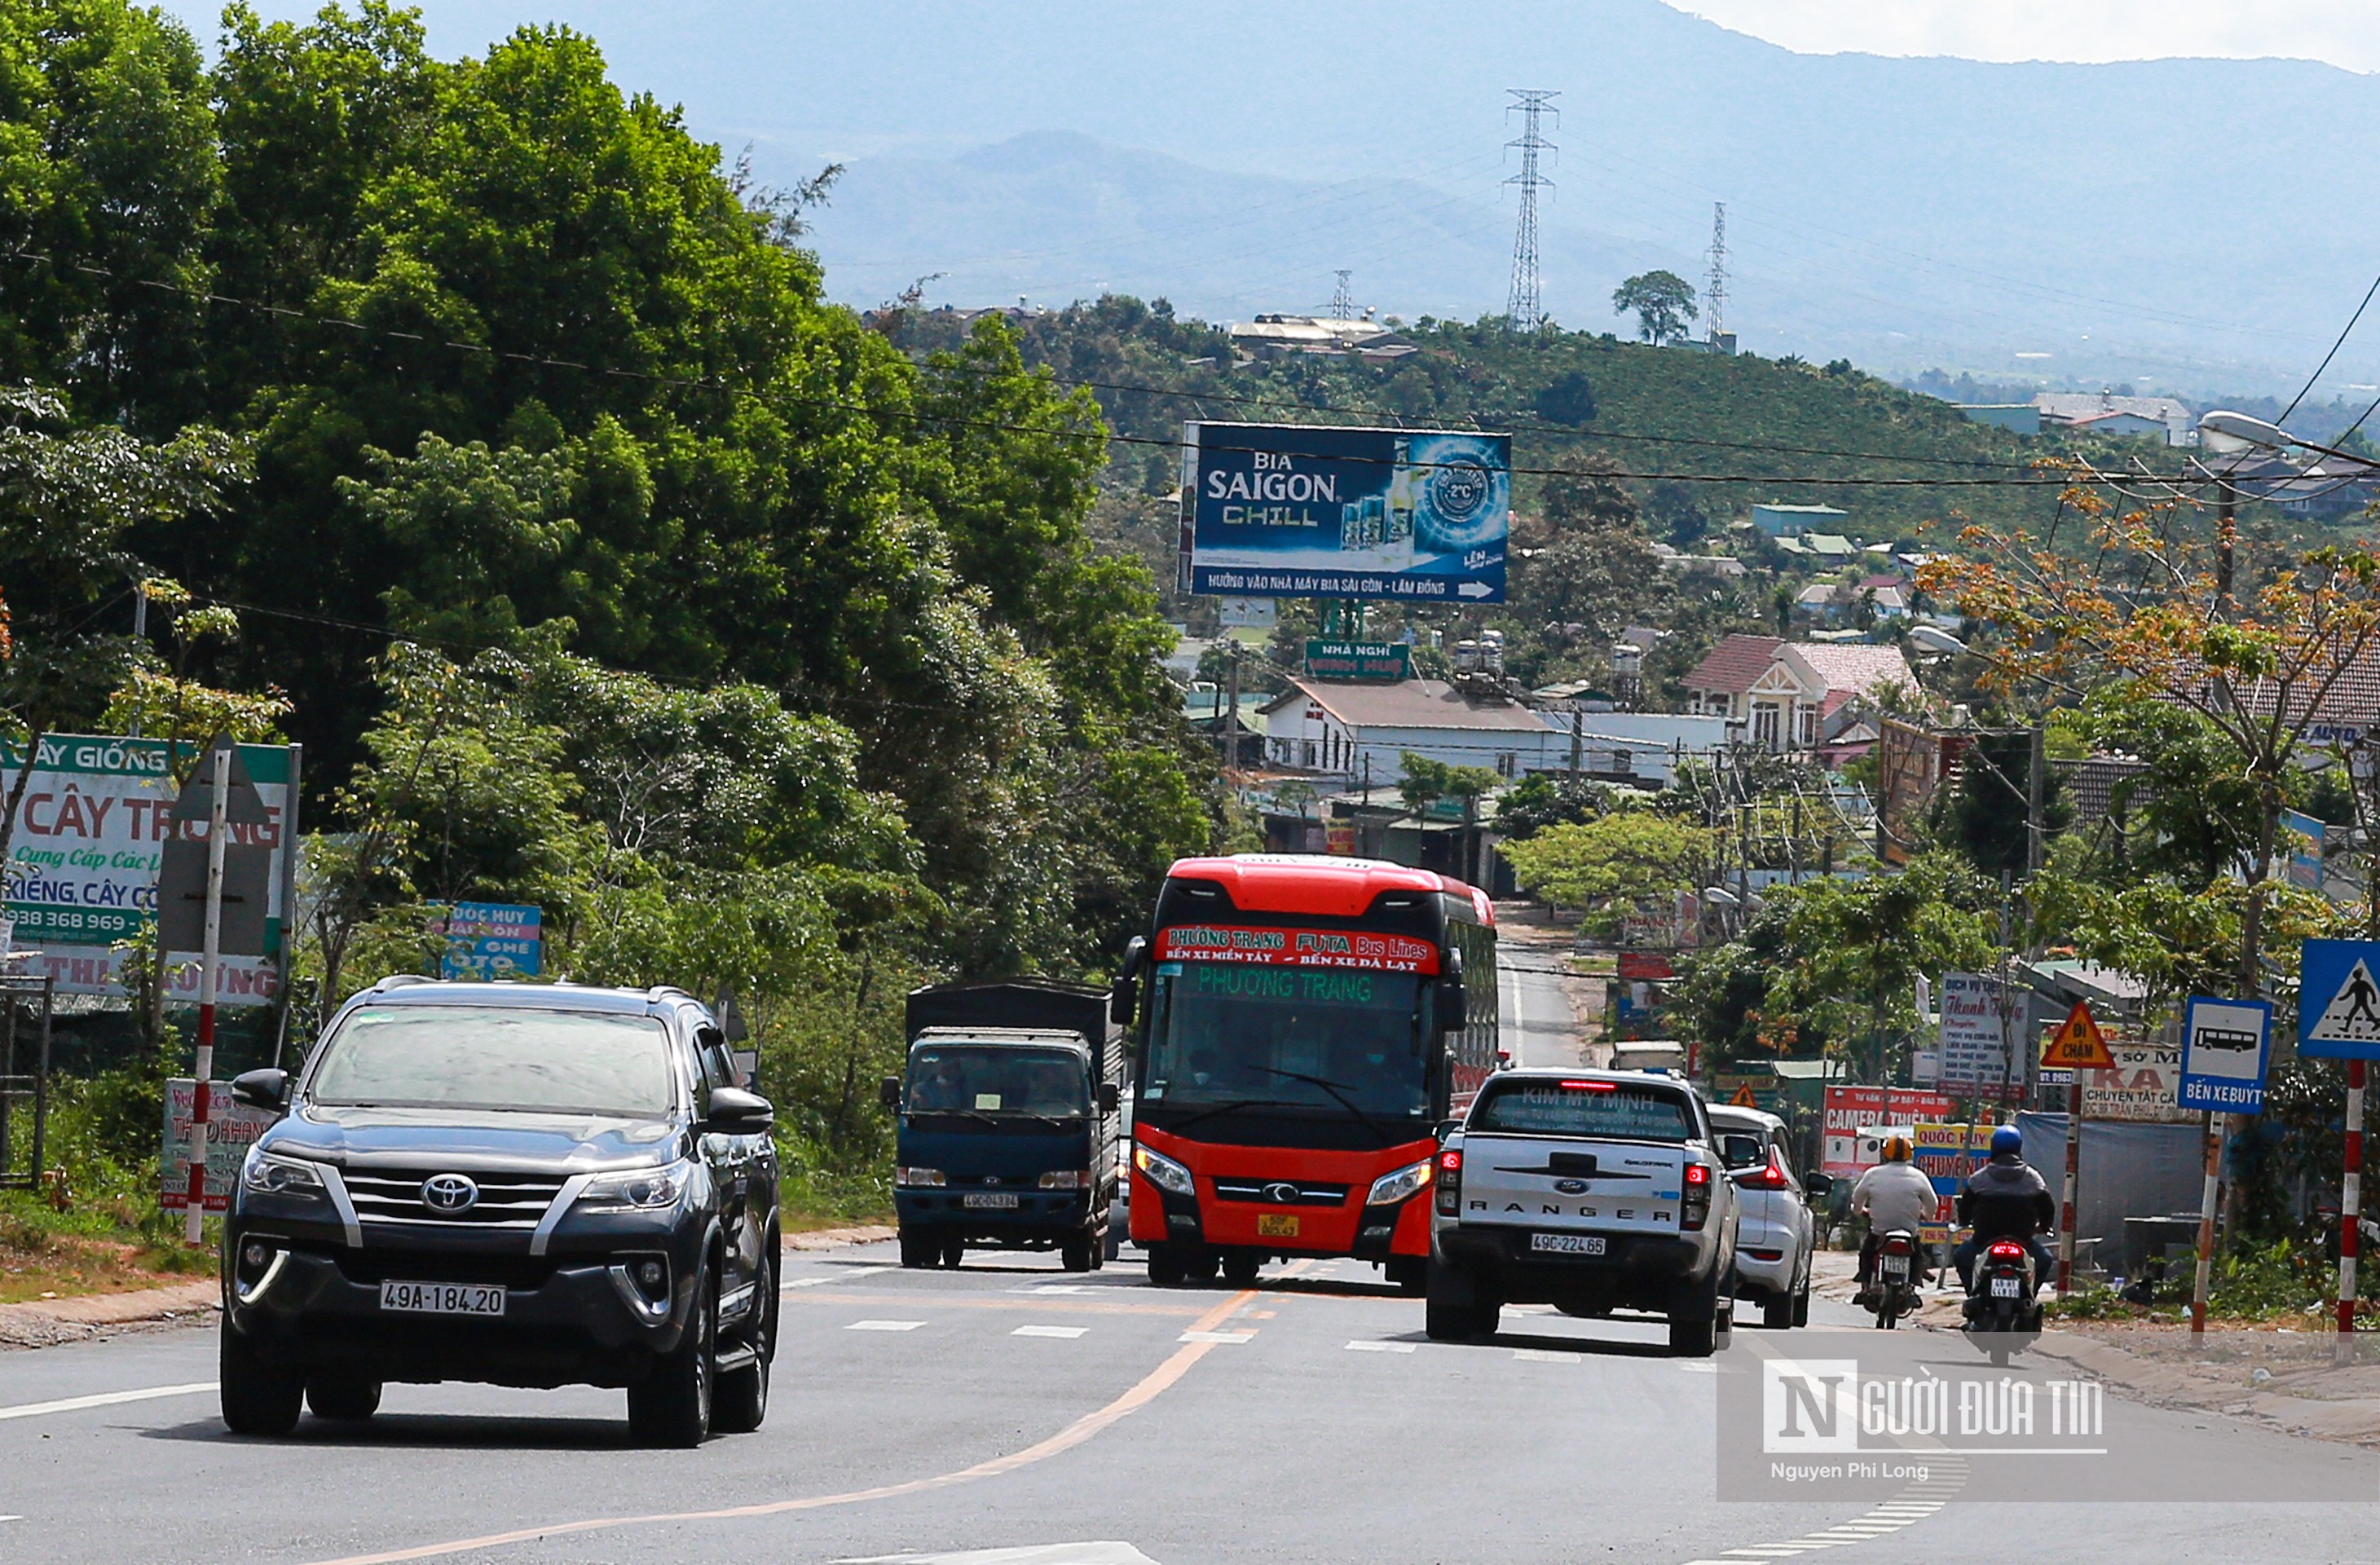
(2261, 649)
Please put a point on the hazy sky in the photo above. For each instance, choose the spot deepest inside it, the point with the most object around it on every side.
(2343, 32)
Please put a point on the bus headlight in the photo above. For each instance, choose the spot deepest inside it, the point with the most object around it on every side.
(1390, 1188)
(1164, 1172)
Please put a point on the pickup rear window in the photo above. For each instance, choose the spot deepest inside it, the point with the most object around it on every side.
(1610, 1108)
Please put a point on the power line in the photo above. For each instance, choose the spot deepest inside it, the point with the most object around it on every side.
(1525, 303)
(2326, 358)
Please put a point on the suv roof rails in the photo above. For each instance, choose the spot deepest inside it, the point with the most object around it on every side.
(402, 980)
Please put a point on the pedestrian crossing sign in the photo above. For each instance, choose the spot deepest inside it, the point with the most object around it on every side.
(2338, 999)
(2077, 1044)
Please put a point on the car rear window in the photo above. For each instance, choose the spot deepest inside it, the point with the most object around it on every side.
(1583, 1107)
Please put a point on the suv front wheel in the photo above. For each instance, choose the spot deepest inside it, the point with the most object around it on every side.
(258, 1398)
(671, 1405)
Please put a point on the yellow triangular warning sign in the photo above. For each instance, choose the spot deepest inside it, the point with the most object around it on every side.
(2076, 1045)
(1743, 1098)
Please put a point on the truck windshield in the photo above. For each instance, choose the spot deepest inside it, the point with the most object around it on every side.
(987, 1079)
(1225, 1033)
(1582, 1107)
(531, 1061)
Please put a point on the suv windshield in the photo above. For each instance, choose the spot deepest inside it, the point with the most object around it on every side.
(1243, 1034)
(1581, 1108)
(996, 1079)
(524, 1058)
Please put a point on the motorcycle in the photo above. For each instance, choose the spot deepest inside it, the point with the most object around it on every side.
(1894, 1290)
(2001, 1309)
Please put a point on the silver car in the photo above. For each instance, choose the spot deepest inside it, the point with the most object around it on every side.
(1775, 1232)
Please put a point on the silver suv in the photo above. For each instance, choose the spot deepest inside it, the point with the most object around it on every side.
(1588, 1190)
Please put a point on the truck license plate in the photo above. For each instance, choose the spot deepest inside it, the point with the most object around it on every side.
(1276, 1225)
(442, 1298)
(994, 1201)
(2004, 1286)
(1568, 1243)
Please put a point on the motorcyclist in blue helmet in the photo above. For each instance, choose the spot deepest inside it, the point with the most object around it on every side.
(2005, 1199)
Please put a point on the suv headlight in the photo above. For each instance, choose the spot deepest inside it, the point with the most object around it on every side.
(269, 1176)
(1390, 1188)
(1164, 1171)
(636, 1190)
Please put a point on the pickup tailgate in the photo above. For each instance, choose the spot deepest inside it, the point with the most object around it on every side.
(1559, 1185)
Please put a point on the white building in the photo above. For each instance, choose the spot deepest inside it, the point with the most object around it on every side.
(1361, 732)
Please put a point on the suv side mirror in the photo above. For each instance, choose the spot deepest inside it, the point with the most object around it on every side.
(261, 1089)
(888, 1093)
(738, 1111)
(1110, 1097)
(1819, 1183)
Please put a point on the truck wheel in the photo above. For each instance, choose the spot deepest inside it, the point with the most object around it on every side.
(917, 1251)
(1410, 1273)
(1693, 1337)
(348, 1398)
(1075, 1254)
(671, 1406)
(1166, 1267)
(741, 1400)
(954, 1252)
(258, 1398)
(1201, 1267)
(1239, 1268)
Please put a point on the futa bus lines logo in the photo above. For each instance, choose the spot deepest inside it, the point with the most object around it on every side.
(1298, 948)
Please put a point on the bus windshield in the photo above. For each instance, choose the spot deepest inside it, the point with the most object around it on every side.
(1231, 1034)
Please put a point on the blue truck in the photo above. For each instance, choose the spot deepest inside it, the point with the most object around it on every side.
(1009, 1117)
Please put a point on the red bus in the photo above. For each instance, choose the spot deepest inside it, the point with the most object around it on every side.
(1305, 1023)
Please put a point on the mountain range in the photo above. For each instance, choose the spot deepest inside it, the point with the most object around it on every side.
(2183, 226)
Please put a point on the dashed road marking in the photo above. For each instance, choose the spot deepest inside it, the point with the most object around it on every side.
(1068, 1332)
(1377, 1347)
(1698, 1366)
(884, 1325)
(104, 1398)
(835, 1277)
(1543, 1355)
(1056, 1288)
(1228, 1337)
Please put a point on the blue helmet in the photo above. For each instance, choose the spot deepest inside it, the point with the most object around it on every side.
(2007, 1141)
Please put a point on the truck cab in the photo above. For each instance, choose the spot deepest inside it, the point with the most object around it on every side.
(1008, 1117)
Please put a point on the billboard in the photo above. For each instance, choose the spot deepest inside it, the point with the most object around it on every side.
(1978, 1030)
(488, 941)
(90, 835)
(1304, 510)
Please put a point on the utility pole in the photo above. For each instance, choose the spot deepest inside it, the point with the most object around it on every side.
(2033, 791)
(1525, 304)
(1232, 714)
(218, 830)
(1577, 739)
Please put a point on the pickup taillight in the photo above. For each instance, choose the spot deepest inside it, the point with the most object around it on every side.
(1450, 1182)
(1694, 1210)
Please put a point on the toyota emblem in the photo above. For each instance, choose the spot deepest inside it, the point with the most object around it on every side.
(449, 1193)
(1280, 1193)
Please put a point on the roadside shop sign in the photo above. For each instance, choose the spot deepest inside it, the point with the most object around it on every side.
(2226, 1047)
(232, 1128)
(2338, 999)
(488, 941)
(1849, 1111)
(1977, 1055)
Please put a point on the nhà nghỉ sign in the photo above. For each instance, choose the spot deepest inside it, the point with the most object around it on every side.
(1387, 661)
(90, 836)
(1306, 511)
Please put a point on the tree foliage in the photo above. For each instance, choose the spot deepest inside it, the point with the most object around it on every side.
(1663, 303)
(1608, 865)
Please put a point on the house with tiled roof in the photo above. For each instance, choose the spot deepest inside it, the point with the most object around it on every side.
(1806, 695)
(1720, 685)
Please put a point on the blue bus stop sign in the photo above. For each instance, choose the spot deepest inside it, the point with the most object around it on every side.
(2226, 1047)
(2338, 999)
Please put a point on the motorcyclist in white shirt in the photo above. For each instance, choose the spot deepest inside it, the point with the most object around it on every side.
(1893, 1195)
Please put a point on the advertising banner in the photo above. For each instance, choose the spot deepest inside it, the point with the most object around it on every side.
(1388, 661)
(2301, 838)
(1851, 1109)
(232, 1128)
(486, 940)
(1978, 1035)
(90, 836)
(1306, 511)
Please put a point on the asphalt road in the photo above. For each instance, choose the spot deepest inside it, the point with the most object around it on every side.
(1089, 1421)
(1536, 1025)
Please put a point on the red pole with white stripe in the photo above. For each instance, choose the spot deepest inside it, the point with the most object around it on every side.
(195, 1217)
(2350, 1210)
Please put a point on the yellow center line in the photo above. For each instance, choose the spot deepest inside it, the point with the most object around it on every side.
(1145, 1391)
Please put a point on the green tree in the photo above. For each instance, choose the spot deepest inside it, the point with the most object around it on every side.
(1568, 398)
(1608, 866)
(1663, 303)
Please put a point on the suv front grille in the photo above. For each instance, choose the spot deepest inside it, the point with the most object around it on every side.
(373, 1267)
(1290, 1193)
(507, 1202)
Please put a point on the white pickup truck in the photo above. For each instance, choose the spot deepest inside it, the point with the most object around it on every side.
(1588, 1190)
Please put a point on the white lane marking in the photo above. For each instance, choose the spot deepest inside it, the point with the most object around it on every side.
(1056, 1288)
(1360, 1346)
(1068, 1332)
(838, 1276)
(1542, 1356)
(104, 1398)
(1105, 1552)
(884, 1325)
(11, 1518)
(1216, 1336)
(1698, 1366)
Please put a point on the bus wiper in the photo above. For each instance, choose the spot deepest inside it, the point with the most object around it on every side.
(1212, 1110)
(1337, 1095)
